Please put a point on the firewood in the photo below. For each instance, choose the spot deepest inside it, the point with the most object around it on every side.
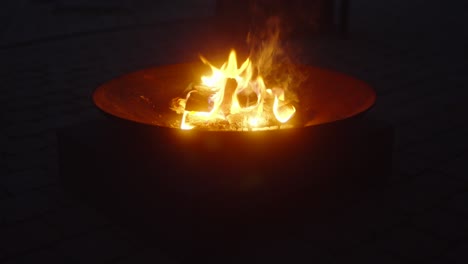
(247, 98)
(199, 101)
(230, 88)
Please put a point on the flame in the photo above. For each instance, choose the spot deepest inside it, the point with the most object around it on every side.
(284, 111)
(262, 107)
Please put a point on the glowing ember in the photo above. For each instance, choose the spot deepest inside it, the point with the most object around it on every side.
(233, 99)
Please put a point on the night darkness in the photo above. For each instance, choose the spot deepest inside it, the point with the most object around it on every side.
(389, 186)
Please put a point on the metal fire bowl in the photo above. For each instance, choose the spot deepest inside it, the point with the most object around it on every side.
(144, 96)
(218, 168)
(223, 181)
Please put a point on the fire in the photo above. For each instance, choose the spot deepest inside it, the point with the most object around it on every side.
(232, 98)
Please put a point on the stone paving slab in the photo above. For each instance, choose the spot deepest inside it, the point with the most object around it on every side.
(457, 255)
(62, 18)
(411, 245)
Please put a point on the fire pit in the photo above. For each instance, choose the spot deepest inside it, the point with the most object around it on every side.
(191, 181)
(232, 160)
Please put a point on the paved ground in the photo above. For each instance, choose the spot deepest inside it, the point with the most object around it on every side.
(55, 53)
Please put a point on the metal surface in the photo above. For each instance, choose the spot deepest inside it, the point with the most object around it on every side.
(213, 191)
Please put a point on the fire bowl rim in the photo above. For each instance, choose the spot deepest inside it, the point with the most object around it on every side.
(370, 101)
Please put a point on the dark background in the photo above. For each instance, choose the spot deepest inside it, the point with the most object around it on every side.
(53, 55)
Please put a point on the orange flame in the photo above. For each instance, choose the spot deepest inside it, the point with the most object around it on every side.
(270, 104)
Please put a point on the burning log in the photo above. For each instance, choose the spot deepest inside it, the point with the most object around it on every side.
(247, 98)
(230, 88)
(199, 100)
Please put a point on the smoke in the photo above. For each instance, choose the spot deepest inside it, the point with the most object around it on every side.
(271, 60)
(265, 48)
